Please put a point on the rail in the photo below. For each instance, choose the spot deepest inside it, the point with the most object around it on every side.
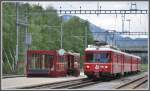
(134, 83)
(71, 84)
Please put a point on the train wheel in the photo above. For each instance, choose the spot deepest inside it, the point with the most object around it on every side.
(125, 74)
(89, 76)
(95, 78)
(118, 75)
(108, 78)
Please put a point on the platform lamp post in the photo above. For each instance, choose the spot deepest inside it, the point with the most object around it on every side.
(61, 31)
(114, 43)
(123, 19)
(129, 23)
(61, 34)
(112, 34)
(17, 32)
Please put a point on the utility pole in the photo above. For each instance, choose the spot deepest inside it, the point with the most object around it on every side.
(61, 34)
(97, 7)
(129, 23)
(106, 34)
(114, 39)
(85, 36)
(26, 46)
(133, 6)
(17, 30)
(123, 18)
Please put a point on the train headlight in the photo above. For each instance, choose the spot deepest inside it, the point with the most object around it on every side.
(102, 66)
(87, 66)
(106, 66)
(52, 69)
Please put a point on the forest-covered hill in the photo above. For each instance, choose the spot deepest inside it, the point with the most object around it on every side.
(44, 27)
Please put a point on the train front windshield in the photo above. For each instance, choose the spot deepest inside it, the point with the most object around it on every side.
(97, 57)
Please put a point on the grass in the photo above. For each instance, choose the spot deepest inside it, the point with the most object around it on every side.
(144, 67)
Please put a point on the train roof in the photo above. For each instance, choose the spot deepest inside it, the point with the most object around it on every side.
(108, 48)
(73, 53)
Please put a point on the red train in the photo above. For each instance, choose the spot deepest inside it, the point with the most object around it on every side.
(109, 62)
(52, 63)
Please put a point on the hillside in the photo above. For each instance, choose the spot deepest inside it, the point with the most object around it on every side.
(44, 27)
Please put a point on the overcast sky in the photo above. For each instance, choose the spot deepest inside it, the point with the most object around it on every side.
(113, 22)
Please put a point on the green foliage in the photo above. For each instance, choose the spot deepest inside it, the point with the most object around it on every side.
(9, 35)
(144, 67)
(44, 26)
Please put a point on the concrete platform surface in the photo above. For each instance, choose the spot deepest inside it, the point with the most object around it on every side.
(12, 83)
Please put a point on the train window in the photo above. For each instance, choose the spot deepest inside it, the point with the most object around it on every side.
(48, 60)
(116, 58)
(61, 59)
(99, 57)
(125, 59)
(89, 57)
(40, 61)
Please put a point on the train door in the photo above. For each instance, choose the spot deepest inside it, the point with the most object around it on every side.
(137, 61)
(122, 64)
(131, 64)
(73, 67)
(70, 61)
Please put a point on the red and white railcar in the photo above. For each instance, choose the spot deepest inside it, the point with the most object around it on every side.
(52, 63)
(106, 61)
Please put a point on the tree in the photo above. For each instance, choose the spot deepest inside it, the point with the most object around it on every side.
(44, 26)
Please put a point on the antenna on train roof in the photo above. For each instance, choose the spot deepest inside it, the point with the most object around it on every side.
(104, 44)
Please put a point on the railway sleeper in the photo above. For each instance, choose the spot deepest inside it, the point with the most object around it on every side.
(137, 85)
(51, 84)
(70, 84)
(134, 83)
(82, 85)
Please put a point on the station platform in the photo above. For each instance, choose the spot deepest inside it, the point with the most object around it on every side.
(12, 83)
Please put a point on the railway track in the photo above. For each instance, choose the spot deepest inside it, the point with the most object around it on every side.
(134, 83)
(72, 84)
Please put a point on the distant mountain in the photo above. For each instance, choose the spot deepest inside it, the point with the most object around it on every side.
(95, 29)
(67, 17)
(120, 41)
(105, 36)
